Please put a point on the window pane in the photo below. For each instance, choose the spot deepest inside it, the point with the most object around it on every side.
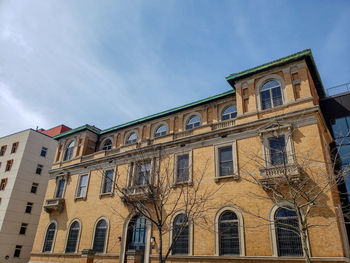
(108, 181)
(270, 84)
(107, 145)
(182, 168)
(50, 234)
(225, 161)
(162, 130)
(72, 238)
(228, 234)
(100, 236)
(229, 113)
(144, 174)
(265, 100)
(60, 188)
(288, 239)
(180, 230)
(132, 138)
(278, 155)
(82, 186)
(276, 96)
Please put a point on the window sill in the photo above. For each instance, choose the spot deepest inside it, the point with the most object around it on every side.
(102, 195)
(83, 198)
(179, 184)
(231, 176)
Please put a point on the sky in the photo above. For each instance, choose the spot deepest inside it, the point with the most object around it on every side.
(108, 62)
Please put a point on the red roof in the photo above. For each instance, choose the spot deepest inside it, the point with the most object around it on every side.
(56, 130)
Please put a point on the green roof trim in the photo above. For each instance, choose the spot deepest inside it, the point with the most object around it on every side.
(150, 117)
(81, 128)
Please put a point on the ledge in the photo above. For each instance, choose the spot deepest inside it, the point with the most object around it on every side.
(232, 176)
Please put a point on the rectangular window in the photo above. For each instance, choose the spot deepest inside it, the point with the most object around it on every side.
(143, 173)
(43, 152)
(225, 161)
(81, 192)
(277, 146)
(29, 208)
(14, 147)
(23, 229)
(3, 184)
(34, 188)
(17, 251)
(8, 165)
(182, 169)
(39, 168)
(60, 187)
(107, 181)
(3, 150)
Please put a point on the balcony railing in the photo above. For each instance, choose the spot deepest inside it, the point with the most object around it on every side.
(55, 204)
(277, 175)
(223, 124)
(338, 89)
(138, 193)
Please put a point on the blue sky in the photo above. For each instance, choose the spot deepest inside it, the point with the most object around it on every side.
(109, 62)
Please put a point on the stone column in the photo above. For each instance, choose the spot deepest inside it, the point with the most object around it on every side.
(87, 256)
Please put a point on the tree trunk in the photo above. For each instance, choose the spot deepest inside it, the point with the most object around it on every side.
(160, 252)
(305, 247)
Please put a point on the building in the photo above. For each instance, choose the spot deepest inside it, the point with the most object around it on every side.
(25, 159)
(262, 128)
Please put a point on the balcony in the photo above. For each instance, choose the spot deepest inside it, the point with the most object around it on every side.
(54, 205)
(278, 175)
(138, 193)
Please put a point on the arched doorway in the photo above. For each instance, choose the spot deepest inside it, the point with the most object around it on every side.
(136, 235)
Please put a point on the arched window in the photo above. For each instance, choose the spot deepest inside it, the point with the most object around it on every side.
(49, 237)
(162, 130)
(229, 113)
(107, 145)
(193, 122)
(180, 235)
(228, 234)
(100, 236)
(68, 154)
(137, 233)
(271, 95)
(73, 236)
(287, 233)
(132, 138)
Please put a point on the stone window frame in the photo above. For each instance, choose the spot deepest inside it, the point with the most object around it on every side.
(59, 177)
(104, 140)
(217, 147)
(78, 186)
(189, 116)
(54, 237)
(133, 171)
(190, 167)
(67, 235)
(261, 83)
(106, 237)
(223, 107)
(273, 211)
(114, 169)
(157, 126)
(240, 229)
(284, 130)
(190, 232)
(125, 233)
(14, 147)
(128, 134)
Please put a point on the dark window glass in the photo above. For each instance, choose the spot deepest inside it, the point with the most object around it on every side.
(182, 168)
(194, 121)
(29, 208)
(60, 188)
(100, 236)
(39, 169)
(137, 232)
(144, 171)
(229, 113)
(132, 138)
(73, 238)
(228, 234)
(278, 155)
(341, 127)
(43, 152)
(34, 188)
(22, 230)
(161, 131)
(107, 145)
(287, 233)
(50, 234)
(17, 251)
(68, 154)
(14, 147)
(107, 181)
(181, 232)
(271, 95)
(225, 160)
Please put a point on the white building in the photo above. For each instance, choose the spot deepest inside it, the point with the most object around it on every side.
(25, 158)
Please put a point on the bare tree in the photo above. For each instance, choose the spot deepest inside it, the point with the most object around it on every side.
(156, 188)
(300, 183)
